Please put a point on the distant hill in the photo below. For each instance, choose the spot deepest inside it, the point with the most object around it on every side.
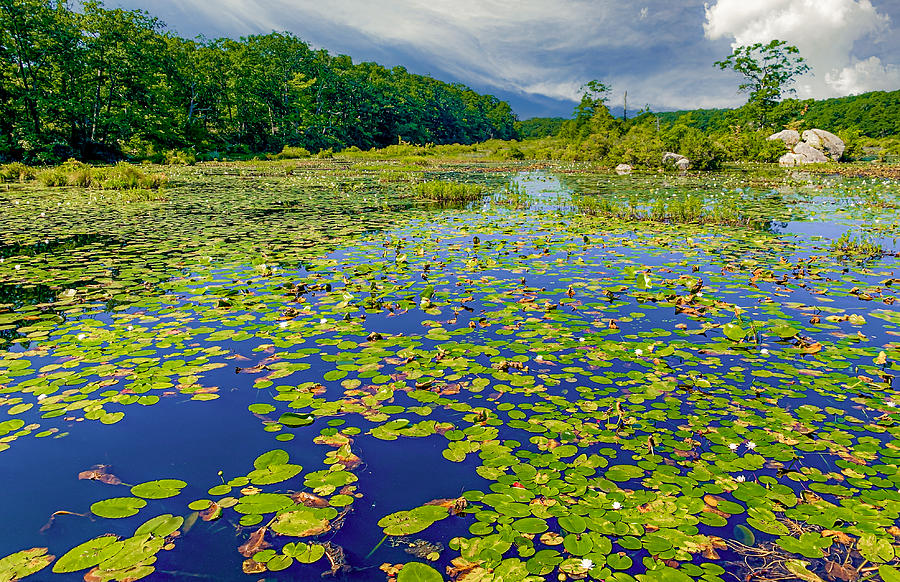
(873, 114)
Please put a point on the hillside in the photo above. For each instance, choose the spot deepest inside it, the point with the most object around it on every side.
(109, 83)
(874, 114)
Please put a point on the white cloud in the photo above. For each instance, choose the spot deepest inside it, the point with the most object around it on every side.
(868, 75)
(825, 31)
(533, 47)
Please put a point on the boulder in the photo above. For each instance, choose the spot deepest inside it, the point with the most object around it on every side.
(791, 159)
(810, 154)
(680, 161)
(622, 169)
(790, 137)
(825, 141)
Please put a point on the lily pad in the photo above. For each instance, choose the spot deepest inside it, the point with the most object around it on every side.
(25, 563)
(160, 489)
(304, 522)
(404, 523)
(118, 507)
(419, 572)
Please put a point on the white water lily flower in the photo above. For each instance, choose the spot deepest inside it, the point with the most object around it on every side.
(750, 445)
(81, 336)
(639, 352)
(616, 505)
(740, 478)
(323, 320)
(282, 324)
(41, 397)
(586, 563)
(891, 403)
(130, 328)
(764, 352)
(733, 446)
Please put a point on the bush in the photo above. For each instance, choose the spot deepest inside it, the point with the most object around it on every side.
(853, 145)
(325, 154)
(16, 172)
(703, 153)
(292, 153)
(180, 157)
(641, 147)
(750, 146)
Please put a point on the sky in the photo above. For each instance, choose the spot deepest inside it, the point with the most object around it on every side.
(536, 54)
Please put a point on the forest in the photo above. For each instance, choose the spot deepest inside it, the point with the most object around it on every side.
(104, 83)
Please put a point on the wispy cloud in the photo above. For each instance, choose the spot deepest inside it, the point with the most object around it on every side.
(658, 50)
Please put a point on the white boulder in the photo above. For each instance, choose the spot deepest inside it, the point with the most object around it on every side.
(623, 169)
(791, 159)
(810, 154)
(678, 160)
(825, 141)
(790, 137)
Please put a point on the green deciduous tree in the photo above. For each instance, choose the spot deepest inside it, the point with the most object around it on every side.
(768, 70)
(594, 96)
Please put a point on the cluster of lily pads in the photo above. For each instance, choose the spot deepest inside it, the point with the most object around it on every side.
(639, 400)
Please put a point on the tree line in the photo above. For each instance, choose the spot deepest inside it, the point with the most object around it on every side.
(101, 83)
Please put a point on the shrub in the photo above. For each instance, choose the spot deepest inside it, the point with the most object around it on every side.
(325, 154)
(292, 153)
(16, 172)
(180, 157)
(641, 147)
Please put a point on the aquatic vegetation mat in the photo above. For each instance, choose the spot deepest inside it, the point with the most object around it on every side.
(303, 371)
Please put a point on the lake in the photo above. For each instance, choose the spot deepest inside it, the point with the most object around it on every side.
(284, 370)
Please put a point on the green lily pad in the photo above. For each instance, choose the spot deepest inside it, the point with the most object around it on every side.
(160, 526)
(273, 457)
(304, 522)
(160, 489)
(404, 523)
(87, 554)
(294, 420)
(118, 507)
(418, 572)
(274, 474)
(25, 563)
(304, 553)
(262, 503)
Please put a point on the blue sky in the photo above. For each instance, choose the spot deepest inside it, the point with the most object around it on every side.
(537, 53)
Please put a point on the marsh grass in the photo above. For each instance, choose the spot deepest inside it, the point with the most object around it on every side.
(853, 247)
(449, 191)
(513, 196)
(394, 176)
(681, 210)
(122, 176)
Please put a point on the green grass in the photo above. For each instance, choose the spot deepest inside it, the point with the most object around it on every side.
(122, 176)
(449, 191)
